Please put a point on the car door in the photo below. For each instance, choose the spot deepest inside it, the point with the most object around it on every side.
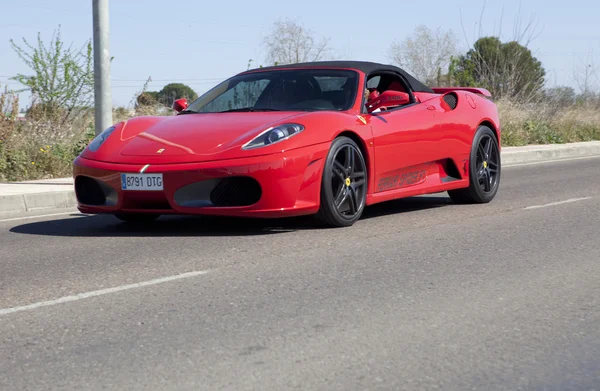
(406, 140)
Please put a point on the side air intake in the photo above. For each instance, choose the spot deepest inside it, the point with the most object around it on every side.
(451, 100)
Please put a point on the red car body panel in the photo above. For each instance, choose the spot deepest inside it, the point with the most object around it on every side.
(419, 149)
(292, 181)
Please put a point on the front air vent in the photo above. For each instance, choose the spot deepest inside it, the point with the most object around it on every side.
(219, 192)
(90, 191)
(451, 100)
(236, 191)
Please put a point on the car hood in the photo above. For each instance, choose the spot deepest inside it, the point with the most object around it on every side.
(190, 137)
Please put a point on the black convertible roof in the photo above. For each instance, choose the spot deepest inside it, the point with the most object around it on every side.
(364, 66)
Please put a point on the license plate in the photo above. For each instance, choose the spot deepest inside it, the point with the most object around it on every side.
(138, 182)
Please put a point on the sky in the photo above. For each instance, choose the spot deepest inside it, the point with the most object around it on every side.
(201, 43)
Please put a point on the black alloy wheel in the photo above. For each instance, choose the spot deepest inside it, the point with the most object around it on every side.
(487, 163)
(344, 184)
(484, 169)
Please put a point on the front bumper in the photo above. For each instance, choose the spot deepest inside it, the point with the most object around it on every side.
(276, 185)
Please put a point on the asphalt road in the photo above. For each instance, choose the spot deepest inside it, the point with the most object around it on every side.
(421, 294)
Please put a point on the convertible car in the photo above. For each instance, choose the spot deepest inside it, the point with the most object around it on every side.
(322, 138)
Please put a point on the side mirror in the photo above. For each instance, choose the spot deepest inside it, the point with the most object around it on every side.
(180, 104)
(388, 99)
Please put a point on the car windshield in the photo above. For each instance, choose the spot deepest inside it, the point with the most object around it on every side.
(281, 90)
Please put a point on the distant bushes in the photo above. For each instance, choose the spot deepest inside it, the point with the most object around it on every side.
(40, 145)
(545, 123)
(44, 142)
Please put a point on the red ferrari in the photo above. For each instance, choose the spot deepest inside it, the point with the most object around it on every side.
(322, 138)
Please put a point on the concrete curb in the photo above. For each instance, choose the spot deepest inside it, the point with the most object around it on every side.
(540, 153)
(13, 204)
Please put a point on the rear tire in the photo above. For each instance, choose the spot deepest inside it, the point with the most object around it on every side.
(484, 170)
(137, 218)
(343, 185)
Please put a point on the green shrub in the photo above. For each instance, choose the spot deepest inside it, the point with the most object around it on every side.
(542, 123)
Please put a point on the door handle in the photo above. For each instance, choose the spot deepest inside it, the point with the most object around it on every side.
(431, 108)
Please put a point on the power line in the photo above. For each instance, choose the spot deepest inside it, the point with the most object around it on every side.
(154, 80)
(173, 80)
(120, 85)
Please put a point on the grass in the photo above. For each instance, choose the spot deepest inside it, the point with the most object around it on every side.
(544, 123)
(44, 146)
(36, 150)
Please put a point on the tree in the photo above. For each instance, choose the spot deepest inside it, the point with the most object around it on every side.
(586, 78)
(147, 98)
(426, 53)
(9, 110)
(290, 43)
(9, 105)
(508, 70)
(62, 82)
(174, 91)
(561, 96)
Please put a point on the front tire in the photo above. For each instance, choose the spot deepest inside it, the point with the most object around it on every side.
(137, 218)
(344, 184)
(484, 170)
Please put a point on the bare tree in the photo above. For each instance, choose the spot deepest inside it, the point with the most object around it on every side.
(586, 78)
(426, 54)
(290, 43)
(523, 35)
(508, 69)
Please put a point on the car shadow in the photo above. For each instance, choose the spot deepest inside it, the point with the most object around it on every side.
(406, 205)
(181, 226)
(165, 226)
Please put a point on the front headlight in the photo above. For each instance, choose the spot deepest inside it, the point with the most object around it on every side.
(274, 135)
(100, 139)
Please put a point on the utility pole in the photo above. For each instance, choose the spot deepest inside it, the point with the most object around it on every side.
(102, 91)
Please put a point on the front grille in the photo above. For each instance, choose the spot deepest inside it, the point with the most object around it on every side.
(236, 191)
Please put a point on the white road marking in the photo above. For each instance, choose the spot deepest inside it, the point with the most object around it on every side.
(558, 203)
(101, 292)
(550, 161)
(41, 216)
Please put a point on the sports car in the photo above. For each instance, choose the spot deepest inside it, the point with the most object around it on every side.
(321, 138)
